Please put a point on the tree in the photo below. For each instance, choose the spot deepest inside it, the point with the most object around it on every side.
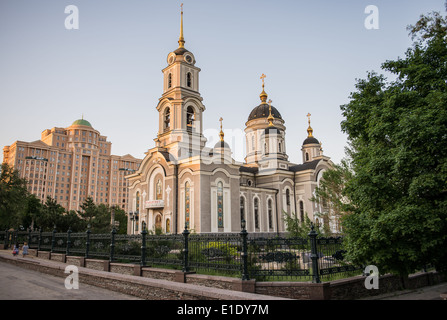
(51, 215)
(398, 149)
(329, 194)
(13, 197)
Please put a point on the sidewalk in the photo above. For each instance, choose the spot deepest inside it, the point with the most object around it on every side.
(425, 293)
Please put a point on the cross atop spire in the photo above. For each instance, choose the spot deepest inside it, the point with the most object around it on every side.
(309, 130)
(263, 95)
(221, 134)
(181, 40)
(270, 118)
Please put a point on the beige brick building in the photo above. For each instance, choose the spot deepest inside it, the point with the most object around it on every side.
(70, 164)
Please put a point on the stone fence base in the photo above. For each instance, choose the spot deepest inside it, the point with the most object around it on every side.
(345, 289)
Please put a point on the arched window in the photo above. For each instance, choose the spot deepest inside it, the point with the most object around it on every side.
(137, 205)
(158, 191)
(270, 213)
(187, 204)
(288, 200)
(169, 80)
(256, 212)
(279, 147)
(302, 211)
(189, 80)
(168, 226)
(242, 208)
(220, 223)
(190, 118)
(167, 119)
(307, 156)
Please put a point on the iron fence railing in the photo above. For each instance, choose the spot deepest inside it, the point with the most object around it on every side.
(248, 256)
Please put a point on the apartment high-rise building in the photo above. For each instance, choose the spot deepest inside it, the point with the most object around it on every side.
(70, 164)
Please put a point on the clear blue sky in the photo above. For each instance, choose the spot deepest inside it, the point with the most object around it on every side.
(311, 51)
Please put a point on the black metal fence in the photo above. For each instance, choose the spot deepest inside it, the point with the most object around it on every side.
(248, 256)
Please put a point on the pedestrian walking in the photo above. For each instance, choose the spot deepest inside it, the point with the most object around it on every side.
(25, 249)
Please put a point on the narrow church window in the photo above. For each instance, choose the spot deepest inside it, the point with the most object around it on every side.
(256, 208)
(270, 213)
(187, 204)
(169, 80)
(137, 207)
(279, 147)
(307, 156)
(167, 119)
(242, 208)
(302, 211)
(288, 200)
(158, 192)
(252, 142)
(189, 79)
(168, 226)
(189, 118)
(220, 223)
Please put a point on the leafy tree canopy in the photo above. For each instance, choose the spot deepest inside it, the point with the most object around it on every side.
(398, 149)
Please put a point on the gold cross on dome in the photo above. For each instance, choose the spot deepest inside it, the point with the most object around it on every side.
(308, 116)
(220, 122)
(262, 78)
(181, 6)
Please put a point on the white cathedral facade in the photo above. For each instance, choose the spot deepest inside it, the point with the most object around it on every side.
(182, 183)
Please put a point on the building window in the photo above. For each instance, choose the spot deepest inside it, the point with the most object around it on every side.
(187, 204)
(288, 200)
(168, 226)
(270, 213)
(169, 80)
(242, 208)
(158, 191)
(220, 223)
(167, 119)
(189, 118)
(137, 208)
(256, 212)
(307, 156)
(302, 211)
(189, 80)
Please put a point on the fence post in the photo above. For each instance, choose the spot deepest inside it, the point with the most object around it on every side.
(87, 243)
(29, 236)
(244, 252)
(112, 244)
(40, 240)
(185, 250)
(53, 239)
(68, 241)
(314, 255)
(143, 245)
(7, 240)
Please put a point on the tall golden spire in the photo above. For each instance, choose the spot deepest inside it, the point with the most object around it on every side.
(309, 130)
(263, 95)
(181, 40)
(270, 118)
(221, 134)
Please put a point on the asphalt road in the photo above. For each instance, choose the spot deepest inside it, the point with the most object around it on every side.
(22, 284)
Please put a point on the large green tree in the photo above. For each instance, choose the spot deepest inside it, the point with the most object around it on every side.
(13, 197)
(398, 149)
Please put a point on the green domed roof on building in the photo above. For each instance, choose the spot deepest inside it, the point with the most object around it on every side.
(81, 122)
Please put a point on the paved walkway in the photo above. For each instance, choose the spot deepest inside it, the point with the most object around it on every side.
(425, 293)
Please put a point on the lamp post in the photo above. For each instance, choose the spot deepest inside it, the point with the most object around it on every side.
(131, 218)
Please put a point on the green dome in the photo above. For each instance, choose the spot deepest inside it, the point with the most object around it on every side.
(82, 122)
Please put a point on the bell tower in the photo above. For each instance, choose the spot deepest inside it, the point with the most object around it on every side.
(180, 106)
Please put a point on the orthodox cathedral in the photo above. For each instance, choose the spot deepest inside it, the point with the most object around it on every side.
(181, 183)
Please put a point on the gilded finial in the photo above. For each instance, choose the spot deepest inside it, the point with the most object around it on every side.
(221, 134)
(309, 130)
(181, 40)
(263, 95)
(270, 118)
